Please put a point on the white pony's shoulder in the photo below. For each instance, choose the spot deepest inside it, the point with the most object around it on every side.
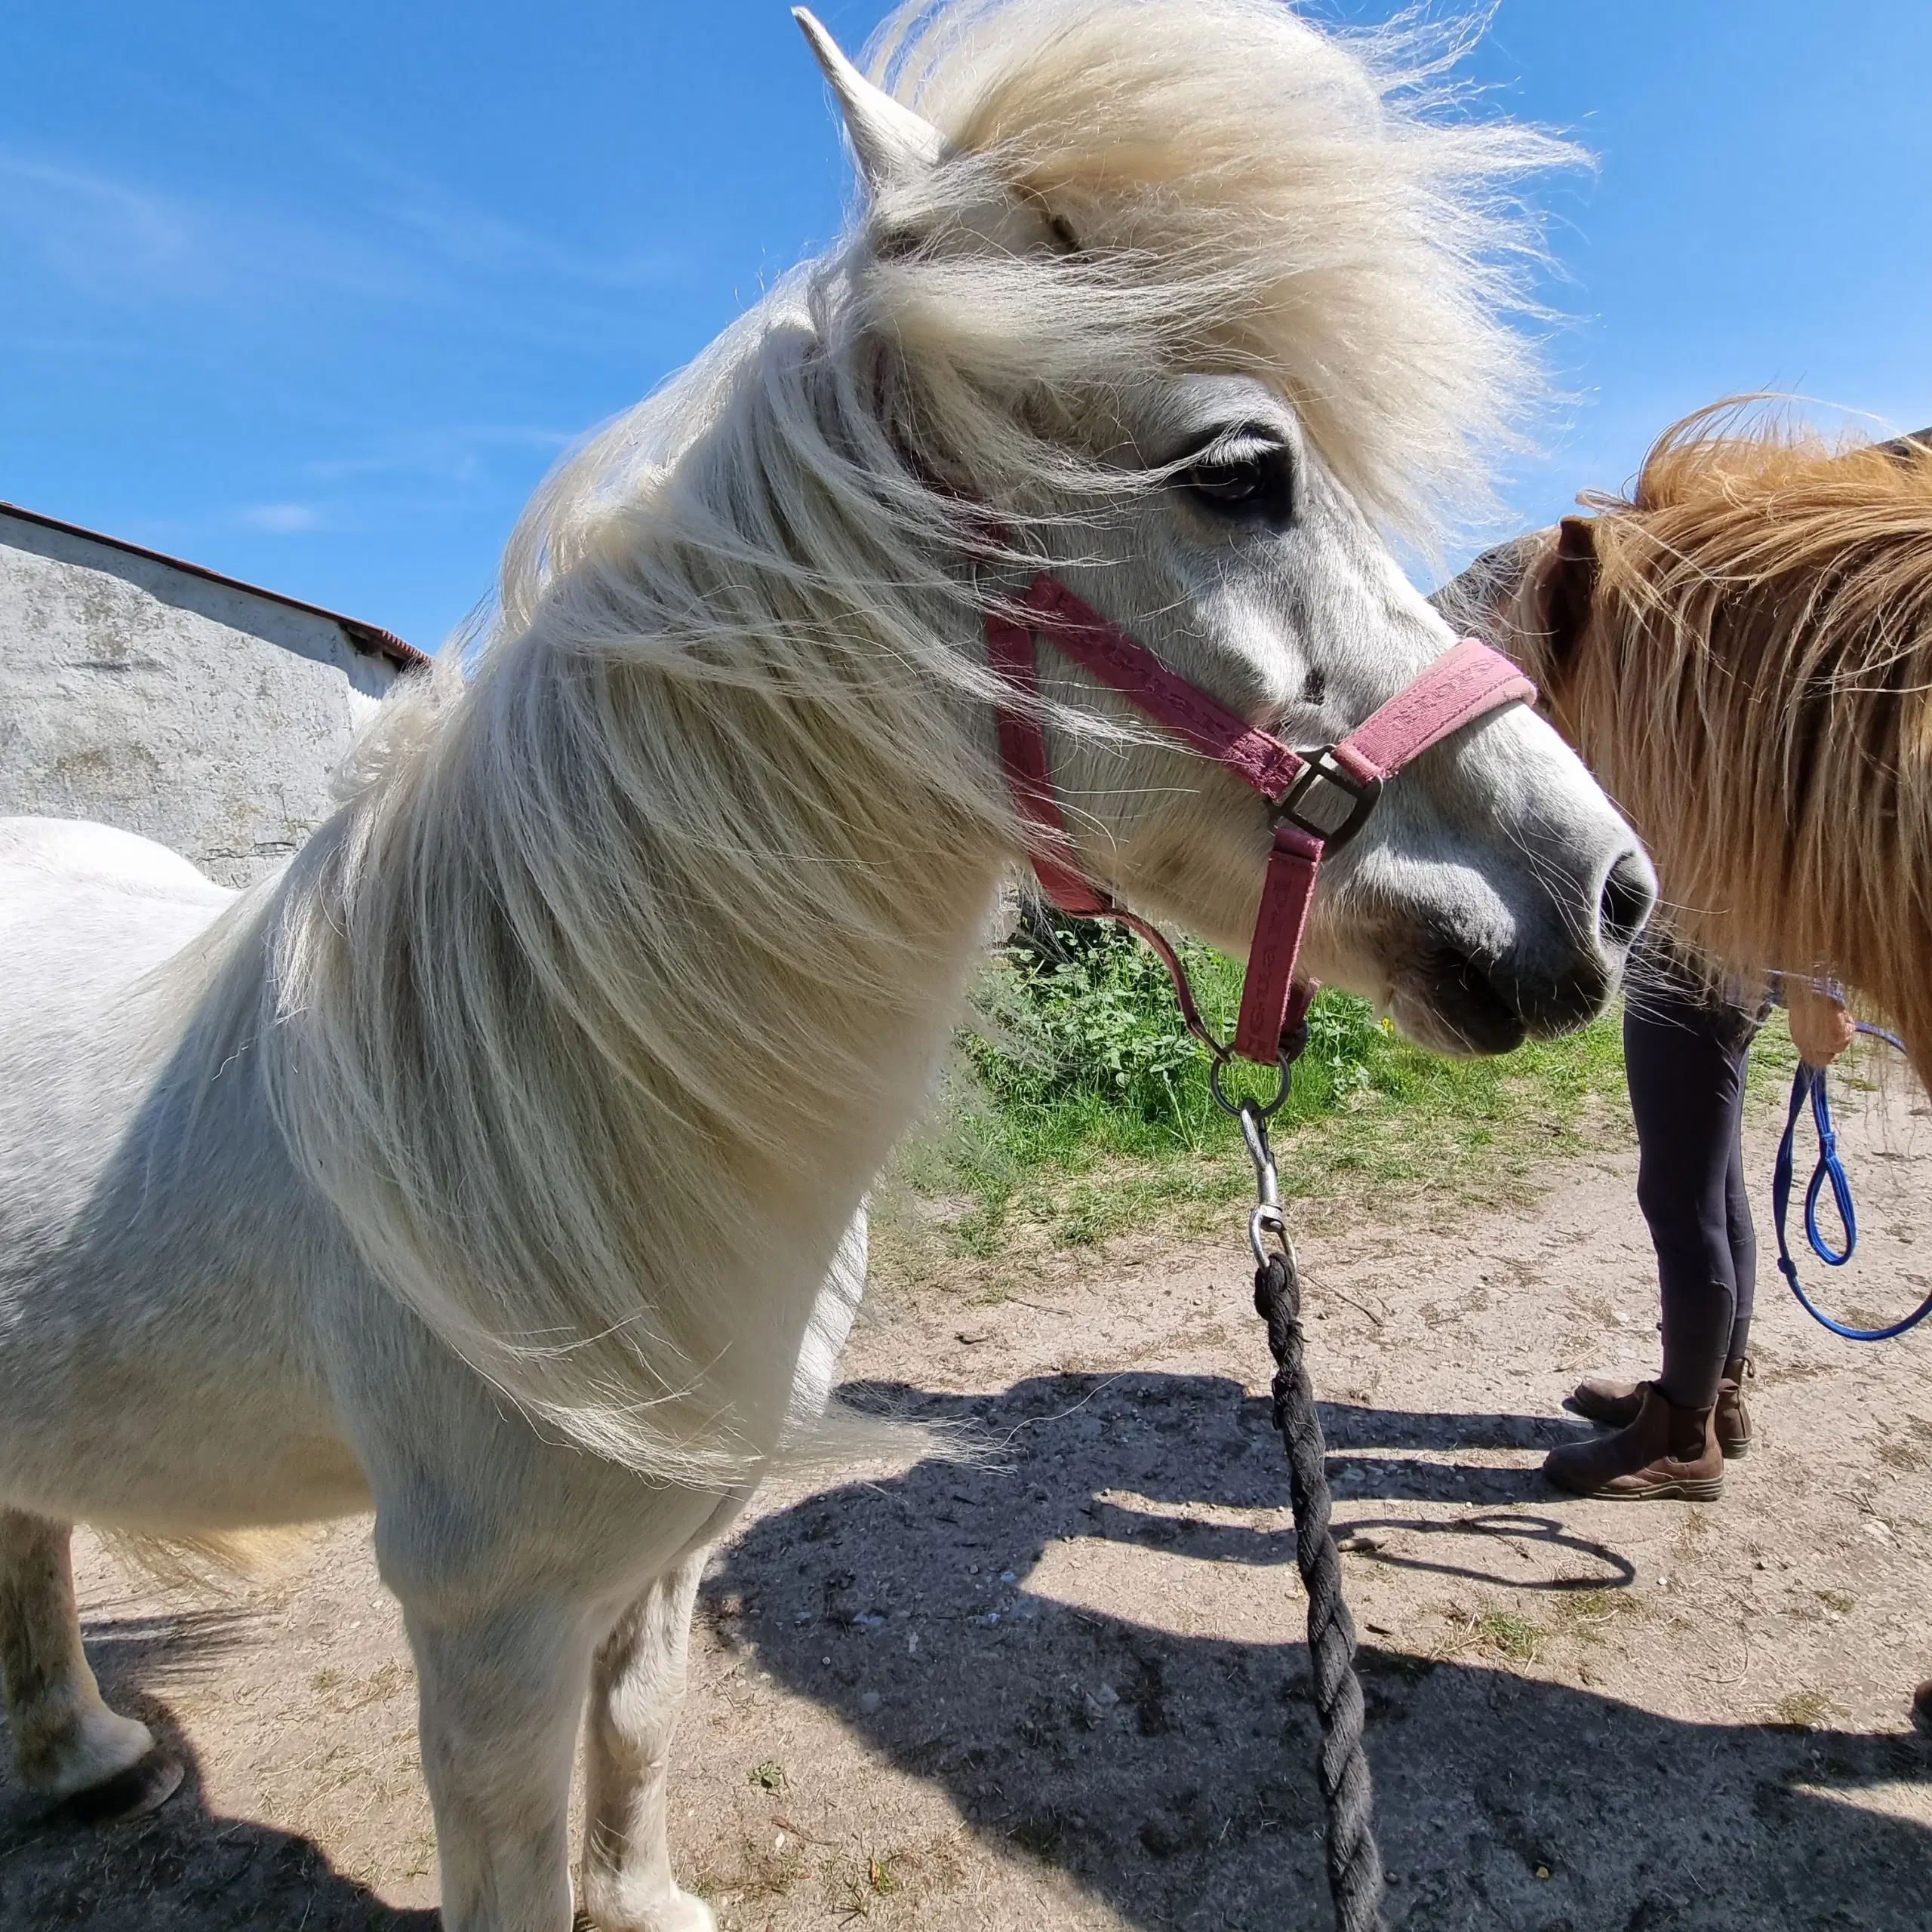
(81, 851)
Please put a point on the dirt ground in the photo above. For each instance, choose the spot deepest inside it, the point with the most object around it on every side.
(1066, 1688)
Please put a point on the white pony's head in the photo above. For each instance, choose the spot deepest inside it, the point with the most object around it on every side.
(1188, 296)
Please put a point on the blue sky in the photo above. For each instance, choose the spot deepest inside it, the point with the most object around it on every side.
(314, 293)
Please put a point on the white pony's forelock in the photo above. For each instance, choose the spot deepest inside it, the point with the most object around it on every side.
(1322, 210)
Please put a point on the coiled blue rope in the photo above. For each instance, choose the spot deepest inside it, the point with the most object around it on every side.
(1809, 1084)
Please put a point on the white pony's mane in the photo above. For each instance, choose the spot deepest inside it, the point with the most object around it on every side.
(621, 891)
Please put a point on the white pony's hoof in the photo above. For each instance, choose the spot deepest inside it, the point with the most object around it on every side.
(680, 1913)
(143, 1787)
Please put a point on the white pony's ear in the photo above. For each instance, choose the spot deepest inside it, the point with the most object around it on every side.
(892, 141)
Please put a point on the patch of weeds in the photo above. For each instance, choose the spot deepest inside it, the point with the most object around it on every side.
(325, 1682)
(878, 1880)
(769, 1776)
(1803, 1710)
(1581, 1617)
(1504, 1634)
(1839, 1600)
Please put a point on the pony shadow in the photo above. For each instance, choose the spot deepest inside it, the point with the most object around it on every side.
(1170, 1777)
(183, 1868)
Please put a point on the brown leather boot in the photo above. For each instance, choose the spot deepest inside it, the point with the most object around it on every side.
(1666, 1455)
(1616, 1403)
(1732, 1419)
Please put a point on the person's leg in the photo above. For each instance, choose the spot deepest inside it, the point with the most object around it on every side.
(1686, 1060)
(1743, 1251)
(1733, 1420)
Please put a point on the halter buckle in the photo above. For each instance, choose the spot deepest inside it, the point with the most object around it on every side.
(1328, 801)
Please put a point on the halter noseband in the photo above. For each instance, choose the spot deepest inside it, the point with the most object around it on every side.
(1319, 798)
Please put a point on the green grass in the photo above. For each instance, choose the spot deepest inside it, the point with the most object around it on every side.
(1509, 1635)
(1079, 1106)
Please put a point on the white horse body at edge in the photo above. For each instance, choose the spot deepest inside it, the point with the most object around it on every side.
(500, 1165)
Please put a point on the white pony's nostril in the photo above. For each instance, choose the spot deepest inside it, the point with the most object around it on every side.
(1629, 895)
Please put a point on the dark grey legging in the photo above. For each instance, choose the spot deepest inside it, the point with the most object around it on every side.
(1685, 1054)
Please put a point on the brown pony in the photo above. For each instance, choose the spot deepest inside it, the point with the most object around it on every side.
(1742, 653)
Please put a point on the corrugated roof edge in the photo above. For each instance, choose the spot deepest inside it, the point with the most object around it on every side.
(365, 637)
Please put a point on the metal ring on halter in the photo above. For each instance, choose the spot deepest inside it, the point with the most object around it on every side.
(1221, 1056)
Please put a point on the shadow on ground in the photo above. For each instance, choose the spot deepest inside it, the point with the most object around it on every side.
(182, 1869)
(1172, 1777)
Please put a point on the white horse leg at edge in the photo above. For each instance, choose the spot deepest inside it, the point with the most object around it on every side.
(500, 1166)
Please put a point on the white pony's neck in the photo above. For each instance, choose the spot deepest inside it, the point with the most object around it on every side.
(655, 923)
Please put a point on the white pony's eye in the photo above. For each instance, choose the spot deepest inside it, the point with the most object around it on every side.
(1245, 479)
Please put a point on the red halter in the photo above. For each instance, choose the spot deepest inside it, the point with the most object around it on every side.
(1320, 798)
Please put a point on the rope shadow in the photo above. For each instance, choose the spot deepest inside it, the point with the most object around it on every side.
(1618, 1572)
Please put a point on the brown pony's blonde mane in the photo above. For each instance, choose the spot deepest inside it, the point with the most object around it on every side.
(1741, 651)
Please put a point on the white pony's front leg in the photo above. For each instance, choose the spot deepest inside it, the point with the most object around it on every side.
(500, 1692)
(637, 1689)
(637, 1685)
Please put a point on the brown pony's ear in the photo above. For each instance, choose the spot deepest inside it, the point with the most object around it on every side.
(1908, 449)
(1565, 591)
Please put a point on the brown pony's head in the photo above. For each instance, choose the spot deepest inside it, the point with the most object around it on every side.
(1741, 650)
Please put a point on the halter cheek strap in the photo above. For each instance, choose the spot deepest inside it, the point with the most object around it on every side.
(1320, 799)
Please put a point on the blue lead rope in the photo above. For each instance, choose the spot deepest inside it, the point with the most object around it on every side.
(1809, 1084)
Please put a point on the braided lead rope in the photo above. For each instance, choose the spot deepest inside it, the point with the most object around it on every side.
(1354, 1863)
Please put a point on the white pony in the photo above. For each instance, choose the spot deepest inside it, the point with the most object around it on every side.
(489, 1168)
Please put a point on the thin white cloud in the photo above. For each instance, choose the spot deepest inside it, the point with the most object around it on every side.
(280, 519)
(410, 242)
(458, 453)
(105, 237)
(468, 237)
(118, 240)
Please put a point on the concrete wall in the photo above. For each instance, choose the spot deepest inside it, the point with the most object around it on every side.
(202, 714)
